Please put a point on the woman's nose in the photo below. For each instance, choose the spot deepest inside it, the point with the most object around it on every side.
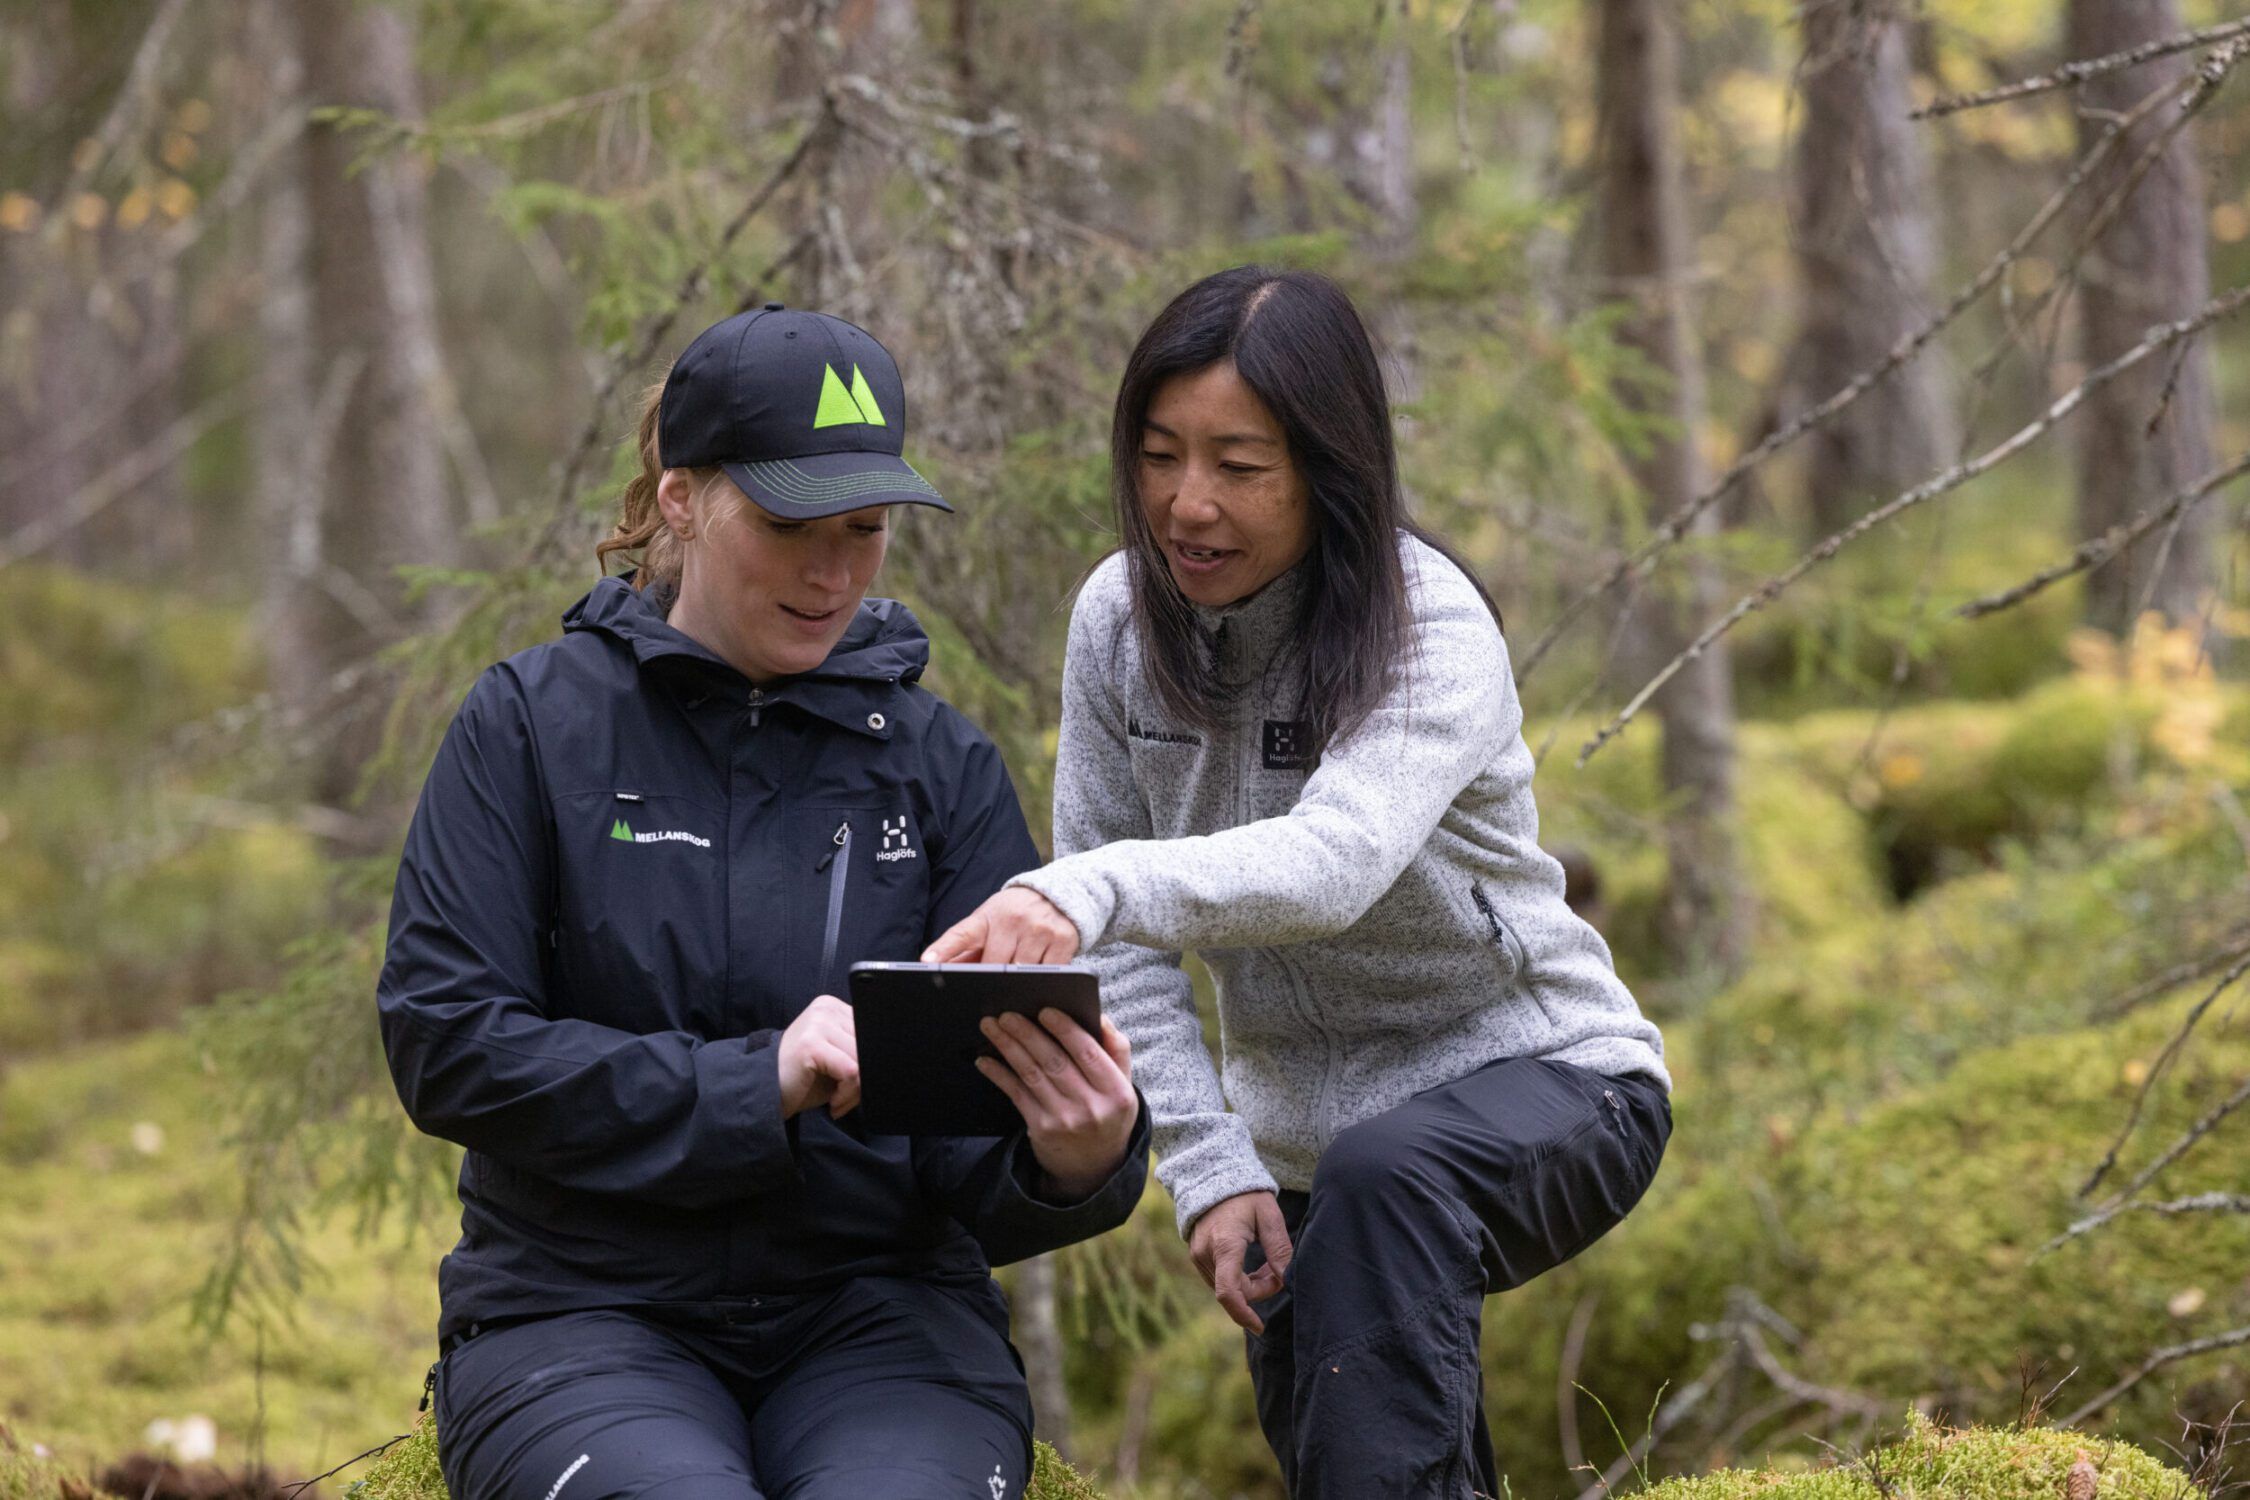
(1193, 502)
(827, 569)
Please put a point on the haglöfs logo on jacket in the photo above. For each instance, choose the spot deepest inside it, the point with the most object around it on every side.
(896, 843)
(624, 834)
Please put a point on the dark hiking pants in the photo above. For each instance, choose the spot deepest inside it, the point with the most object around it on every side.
(1367, 1375)
(900, 1388)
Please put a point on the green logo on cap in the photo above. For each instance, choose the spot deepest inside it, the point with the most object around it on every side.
(839, 406)
(618, 830)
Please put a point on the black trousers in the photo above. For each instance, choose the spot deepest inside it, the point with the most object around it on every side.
(1367, 1376)
(902, 1388)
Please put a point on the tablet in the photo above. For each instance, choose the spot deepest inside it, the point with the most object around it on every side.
(919, 1040)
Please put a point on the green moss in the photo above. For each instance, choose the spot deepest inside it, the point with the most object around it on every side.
(26, 1476)
(114, 1193)
(1902, 1238)
(1984, 1463)
(409, 1471)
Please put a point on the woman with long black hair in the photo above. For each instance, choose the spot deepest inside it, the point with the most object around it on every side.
(1291, 743)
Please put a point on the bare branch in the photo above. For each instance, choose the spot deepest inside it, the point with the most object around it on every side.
(2172, 1153)
(2196, 90)
(120, 479)
(2197, 1203)
(2160, 337)
(1641, 560)
(2101, 549)
(2169, 1354)
(2157, 1070)
(2074, 73)
(2172, 978)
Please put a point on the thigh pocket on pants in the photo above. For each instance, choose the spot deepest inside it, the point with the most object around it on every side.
(1584, 1184)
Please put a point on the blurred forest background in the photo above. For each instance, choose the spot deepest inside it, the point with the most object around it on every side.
(1881, 450)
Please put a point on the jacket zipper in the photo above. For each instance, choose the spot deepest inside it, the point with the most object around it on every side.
(757, 705)
(1501, 933)
(837, 862)
(1300, 998)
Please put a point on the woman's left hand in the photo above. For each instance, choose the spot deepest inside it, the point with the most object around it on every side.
(1014, 926)
(1075, 1094)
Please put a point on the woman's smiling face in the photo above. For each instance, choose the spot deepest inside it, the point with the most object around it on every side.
(1225, 501)
(769, 595)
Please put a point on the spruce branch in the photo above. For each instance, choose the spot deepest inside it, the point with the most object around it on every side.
(660, 327)
(2092, 554)
(2071, 74)
(1642, 559)
(2160, 337)
(2169, 1354)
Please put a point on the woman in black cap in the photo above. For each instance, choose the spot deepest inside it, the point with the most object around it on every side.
(645, 856)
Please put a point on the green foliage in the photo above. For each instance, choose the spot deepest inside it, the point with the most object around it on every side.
(129, 887)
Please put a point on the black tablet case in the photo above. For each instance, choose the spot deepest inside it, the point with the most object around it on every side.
(918, 1039)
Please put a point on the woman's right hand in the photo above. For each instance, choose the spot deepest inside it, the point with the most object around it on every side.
(820, 1059)
(1218, 1241)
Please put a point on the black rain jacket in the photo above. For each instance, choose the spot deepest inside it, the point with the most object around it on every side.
(629, 871)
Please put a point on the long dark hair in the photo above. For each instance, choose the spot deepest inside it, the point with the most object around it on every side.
(1299, 344)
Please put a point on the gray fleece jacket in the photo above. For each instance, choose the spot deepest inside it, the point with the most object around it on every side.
(1378, 923)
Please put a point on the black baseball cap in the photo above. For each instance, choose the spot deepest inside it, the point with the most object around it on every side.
(805, 412)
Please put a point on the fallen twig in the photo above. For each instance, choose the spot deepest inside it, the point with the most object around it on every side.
(2157, 1069)
(2169, 1354)
(2101, 549)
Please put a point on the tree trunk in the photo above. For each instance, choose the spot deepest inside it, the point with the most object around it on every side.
(351, 460)
(2150, 266)
(1644, 253)
(1865, 254)
(1039, 1337)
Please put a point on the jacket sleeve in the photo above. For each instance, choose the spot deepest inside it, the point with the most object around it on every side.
(1204, 1152)
(664, 1115)
(1366, 810)
(991, 1185)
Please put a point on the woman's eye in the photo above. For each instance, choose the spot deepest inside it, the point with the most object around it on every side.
(1242, 468)
(1148, 456)
(785, 528)
(870, 530)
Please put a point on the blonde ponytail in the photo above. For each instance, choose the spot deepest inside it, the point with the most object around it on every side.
(640, 524)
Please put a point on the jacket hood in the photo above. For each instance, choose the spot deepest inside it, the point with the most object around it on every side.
(883, 643)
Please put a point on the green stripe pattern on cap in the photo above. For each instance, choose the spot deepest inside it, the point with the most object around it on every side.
(785, 481)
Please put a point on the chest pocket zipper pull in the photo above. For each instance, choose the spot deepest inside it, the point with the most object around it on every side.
(837, 861)
(757, 705)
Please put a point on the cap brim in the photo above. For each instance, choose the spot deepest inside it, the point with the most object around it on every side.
(828, 484)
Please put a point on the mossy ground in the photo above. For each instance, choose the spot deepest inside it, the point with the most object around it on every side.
(115, 1186)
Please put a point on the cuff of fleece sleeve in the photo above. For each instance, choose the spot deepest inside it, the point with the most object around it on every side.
(746, 1071)
(1085, 902)
(1193, 1196)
